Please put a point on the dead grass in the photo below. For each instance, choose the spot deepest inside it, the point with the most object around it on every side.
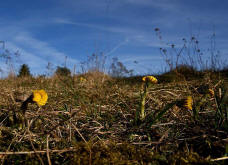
(91, 122)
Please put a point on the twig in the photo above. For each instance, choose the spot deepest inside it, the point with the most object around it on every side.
(12, 141)
(90, 152)
(79, 134)
(163, 124)
(218, 159)
(12, 98)
(145, 143)
(70, 124)
(53, 128)
(30, 139)
(165, 135)
(34, 152)
(48, 156)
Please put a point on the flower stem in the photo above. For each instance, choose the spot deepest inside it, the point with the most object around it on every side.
(143, 101)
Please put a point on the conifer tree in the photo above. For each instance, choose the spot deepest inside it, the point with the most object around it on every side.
(24, 71)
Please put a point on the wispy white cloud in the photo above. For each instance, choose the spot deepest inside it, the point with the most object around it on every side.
(110, 52)
(161, 4)
(34, 52)
(132, 36)
(142, 64)
(41, 48)
(139, 58)
(103, 27)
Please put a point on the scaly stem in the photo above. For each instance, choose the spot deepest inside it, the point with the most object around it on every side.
(143, 101)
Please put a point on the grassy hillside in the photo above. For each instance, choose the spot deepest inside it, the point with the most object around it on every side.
(92, 120)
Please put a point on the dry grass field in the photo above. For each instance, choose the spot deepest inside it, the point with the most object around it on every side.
(91, 119)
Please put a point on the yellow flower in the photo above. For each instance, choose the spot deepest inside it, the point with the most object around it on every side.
(185, 103)
(151, 79)
(188, 102)
(211, 92)
(82, 79)
(40, 97)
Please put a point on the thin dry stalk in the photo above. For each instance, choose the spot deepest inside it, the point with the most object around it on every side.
(48, 155)
(70, 125)
(218, 159)
(30, 139)
(90, 152)
(57, 125)
(13, 140)
(35, 152)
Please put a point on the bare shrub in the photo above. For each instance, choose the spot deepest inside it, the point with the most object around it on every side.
(9, 58)
(94, 63)
(62, 71)
(189, 53)
(117, 69)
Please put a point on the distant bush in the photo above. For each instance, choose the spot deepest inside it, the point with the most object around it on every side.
(181, 72)
(186, 70)
(62, 71)
(118, 69)
(94, 63)
(188, 52)
(24, 71)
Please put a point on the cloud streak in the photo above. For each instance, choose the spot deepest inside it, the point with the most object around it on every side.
(114, 29)
(34, 52)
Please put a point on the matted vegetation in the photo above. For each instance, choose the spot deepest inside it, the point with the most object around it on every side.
(90, 119)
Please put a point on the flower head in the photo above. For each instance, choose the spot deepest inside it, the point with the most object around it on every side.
(40, 97)
(82, 79)
(211, 92)
(188, 102)
(185, 103)
(151, 79)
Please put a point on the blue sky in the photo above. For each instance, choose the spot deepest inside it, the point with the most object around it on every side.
(49, 30)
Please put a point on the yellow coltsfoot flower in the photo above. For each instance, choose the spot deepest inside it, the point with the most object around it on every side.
(145, 86)
(188, 102)
(185, 103)
(40, 97)
(151, 79)
(82, 79)
(211, 92)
